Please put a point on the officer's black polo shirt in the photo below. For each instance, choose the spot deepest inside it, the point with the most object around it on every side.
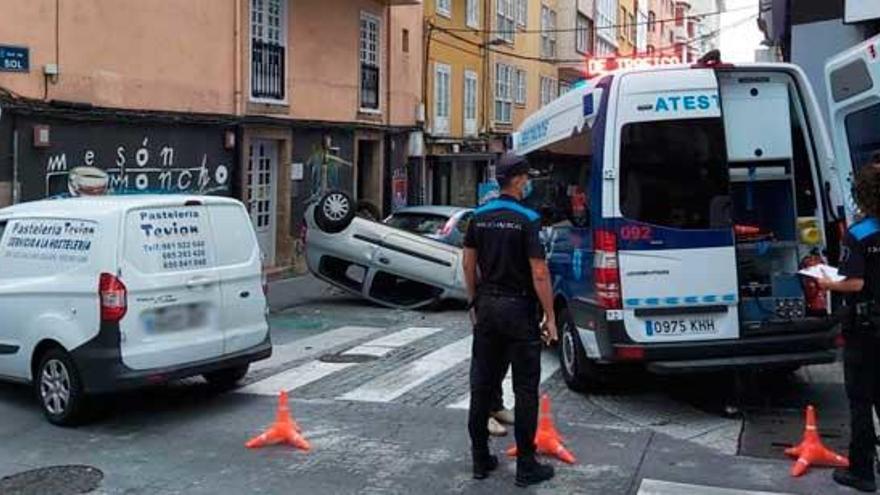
(505, 234)
(860, 257)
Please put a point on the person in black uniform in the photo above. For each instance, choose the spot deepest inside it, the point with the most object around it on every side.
(507, 276)
(860, 264)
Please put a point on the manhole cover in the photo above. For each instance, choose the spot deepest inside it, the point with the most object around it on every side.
(347, 358)
(54, 480)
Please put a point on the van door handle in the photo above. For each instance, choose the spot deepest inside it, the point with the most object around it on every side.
(384, 261)
(199, 282)
(244, 294)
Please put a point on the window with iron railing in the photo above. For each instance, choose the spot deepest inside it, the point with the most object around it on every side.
(268, 51)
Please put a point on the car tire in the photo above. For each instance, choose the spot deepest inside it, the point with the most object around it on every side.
(59, 389)
(227, 378)
(579, 372)
(368, 210)
(334, 212)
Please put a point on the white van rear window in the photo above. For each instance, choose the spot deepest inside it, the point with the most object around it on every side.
(171, 239)
(45, 246)
(236, 243)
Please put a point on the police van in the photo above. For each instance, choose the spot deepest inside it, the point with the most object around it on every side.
(108, 293)
(681, 202)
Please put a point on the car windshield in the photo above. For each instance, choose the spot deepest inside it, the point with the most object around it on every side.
(419, 223)
(674, 173)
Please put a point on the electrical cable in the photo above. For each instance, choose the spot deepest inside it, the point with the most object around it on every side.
(598, 28)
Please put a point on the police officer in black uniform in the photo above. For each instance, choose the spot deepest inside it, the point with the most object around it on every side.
(507, 278)
(860, 264)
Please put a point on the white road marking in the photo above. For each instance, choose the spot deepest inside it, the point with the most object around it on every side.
(313, 346)
(658, 487)
(294, 378)
(313, 371)
(549, 366)
(409, 376)
(388, 343)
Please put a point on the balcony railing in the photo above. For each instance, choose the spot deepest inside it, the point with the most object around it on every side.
(267, 70)
(369, 87)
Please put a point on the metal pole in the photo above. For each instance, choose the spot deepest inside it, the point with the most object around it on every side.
(15, 188)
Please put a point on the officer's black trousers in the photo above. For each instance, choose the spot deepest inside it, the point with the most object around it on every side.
(863, 390)
(507, 332)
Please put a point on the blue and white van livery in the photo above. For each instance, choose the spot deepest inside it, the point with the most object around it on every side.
(703, 190)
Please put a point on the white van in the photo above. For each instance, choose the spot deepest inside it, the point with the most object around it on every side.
(103, 294)
(682, 201)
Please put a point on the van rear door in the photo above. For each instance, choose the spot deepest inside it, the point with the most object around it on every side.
(243, 310)
(853, 84)
(676, 251)
(168, 266)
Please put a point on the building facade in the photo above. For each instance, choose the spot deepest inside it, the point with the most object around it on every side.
(268, 101)
(627, 30)
(577, 42)
(661, 27)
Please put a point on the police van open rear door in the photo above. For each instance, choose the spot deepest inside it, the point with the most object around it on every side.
(677, 259)
(853, 83)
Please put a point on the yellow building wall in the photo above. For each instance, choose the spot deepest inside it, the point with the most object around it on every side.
(626, 13)
(461, 51)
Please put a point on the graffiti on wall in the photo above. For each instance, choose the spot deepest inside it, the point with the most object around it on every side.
(99, 159)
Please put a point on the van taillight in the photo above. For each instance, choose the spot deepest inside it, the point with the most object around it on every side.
(605, 269)
(114, 298)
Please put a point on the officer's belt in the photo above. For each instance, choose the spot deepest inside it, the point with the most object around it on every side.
(498, 291)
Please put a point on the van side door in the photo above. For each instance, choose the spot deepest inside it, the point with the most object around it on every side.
(853, 85)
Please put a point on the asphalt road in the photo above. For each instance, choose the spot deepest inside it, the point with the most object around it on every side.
(382, 396)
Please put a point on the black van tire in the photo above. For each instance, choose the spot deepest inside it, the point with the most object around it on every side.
(580, 373)
(334, 212)
(57, 373)
(227, 378)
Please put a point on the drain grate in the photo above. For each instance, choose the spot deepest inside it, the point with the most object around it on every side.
(57, 480)
(347, 358)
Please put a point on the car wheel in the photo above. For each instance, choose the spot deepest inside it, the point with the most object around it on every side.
(227, 378)
(334, 212)
(59, 389)
(578, 371)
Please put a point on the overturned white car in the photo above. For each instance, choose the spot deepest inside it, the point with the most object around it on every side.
(384, 264)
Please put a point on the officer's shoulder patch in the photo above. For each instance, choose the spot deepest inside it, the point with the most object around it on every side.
(504, 204)
(865, 228)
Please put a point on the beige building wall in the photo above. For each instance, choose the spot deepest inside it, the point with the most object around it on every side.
(405, 68)
(178, 55)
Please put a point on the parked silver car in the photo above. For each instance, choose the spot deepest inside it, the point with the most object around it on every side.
(387, 265)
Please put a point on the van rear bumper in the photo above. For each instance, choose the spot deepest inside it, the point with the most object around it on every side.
(742, 362)
(99, 362)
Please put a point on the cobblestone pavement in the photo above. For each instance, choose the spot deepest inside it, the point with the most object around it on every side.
(380, 395)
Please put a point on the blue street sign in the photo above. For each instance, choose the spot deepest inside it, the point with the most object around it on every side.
(14, 59)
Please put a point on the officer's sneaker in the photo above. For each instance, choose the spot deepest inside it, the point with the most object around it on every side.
(483, 465)
(846, 478)
(531, 472)
(504, 416)
(496, 429)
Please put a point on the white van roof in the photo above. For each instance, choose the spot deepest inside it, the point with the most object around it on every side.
(567, 115)
(91, 207)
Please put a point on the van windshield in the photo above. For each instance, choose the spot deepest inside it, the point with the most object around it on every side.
(674, 173)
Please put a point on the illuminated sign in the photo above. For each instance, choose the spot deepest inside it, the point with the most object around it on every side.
(600, 66)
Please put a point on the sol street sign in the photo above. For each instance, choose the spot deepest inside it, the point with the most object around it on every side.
(14, 59)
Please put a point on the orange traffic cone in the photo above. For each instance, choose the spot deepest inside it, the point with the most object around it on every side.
(283, 430)
(547, 439)
(811, 451)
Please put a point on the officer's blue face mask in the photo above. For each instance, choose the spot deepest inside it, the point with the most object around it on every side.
(527, 189)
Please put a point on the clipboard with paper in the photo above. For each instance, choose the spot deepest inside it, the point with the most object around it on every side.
(821, 271)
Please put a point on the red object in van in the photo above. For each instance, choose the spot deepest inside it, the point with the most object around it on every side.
(816, 298)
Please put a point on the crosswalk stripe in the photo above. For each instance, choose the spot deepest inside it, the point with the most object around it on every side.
(395, 383)
(549, 366)
(313, 371)
(388, 343)
(658, 487)
(313, 346)
(294, 378)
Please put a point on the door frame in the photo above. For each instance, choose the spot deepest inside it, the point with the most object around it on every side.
(271, 249)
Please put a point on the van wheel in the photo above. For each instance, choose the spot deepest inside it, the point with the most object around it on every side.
(59, 389)
(578, 371)
(227, 378)
(334, 212)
